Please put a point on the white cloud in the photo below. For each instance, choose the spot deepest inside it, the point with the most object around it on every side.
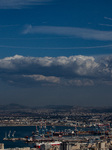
(8, 62)
(108, 25)
(85, 65)
(18, 4)
(14, 57)
(80, 65)
(107, 18)
(78, 82)
(55, 48)
(41, 78)
(70, 31)
(74, 70)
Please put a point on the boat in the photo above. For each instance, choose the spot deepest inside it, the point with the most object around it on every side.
(46, 144)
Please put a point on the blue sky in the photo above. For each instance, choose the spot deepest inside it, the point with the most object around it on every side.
(87, 15)
(56, 51)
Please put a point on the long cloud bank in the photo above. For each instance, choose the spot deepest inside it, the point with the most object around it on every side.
(70, 31)
(59, 71)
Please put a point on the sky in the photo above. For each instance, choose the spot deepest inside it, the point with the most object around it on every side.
(56, 52)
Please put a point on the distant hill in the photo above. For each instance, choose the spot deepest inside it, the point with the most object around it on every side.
(13, 106)
(17, 107)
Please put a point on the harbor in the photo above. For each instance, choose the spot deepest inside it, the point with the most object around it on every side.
(57, 131)
(50, 139)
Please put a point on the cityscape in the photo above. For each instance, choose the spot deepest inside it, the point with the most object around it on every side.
(59, 127)
(55, 75)
(76, 116)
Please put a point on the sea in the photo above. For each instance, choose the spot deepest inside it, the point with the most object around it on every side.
(21, 132)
